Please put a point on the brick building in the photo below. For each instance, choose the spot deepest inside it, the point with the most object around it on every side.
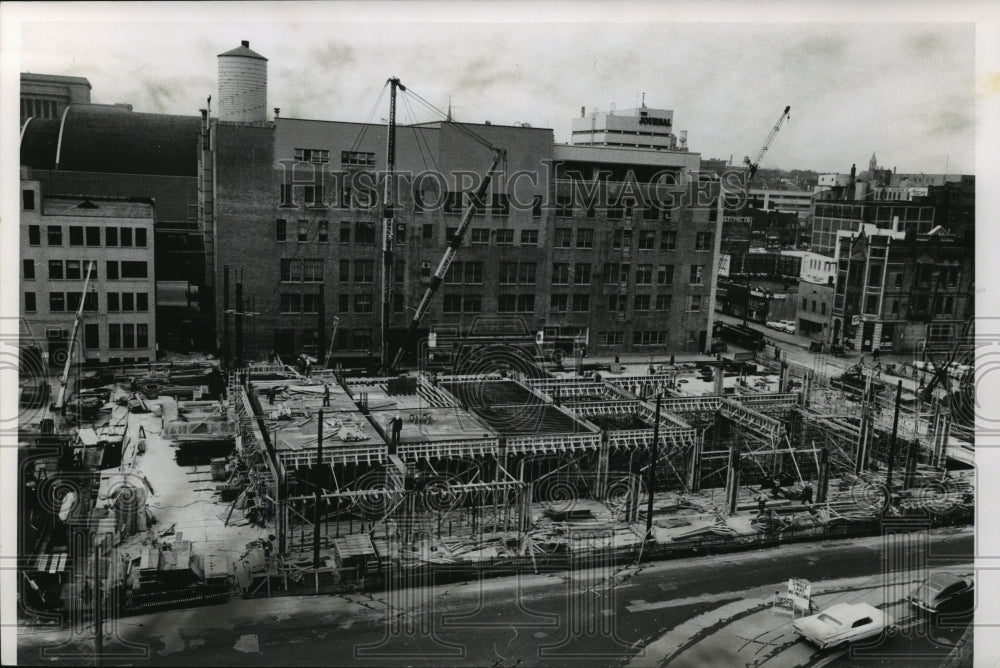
(902, 291)
(63, 237)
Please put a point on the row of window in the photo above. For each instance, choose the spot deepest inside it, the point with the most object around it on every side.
(118, 302)
(805, 306)
(640, 338)
(77, 269)
(297, 303)
(89, 235)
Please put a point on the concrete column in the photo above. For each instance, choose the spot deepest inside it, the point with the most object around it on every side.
(823, 478)
(719, 377)
(733, 478)
(694, 467)
(601, 484)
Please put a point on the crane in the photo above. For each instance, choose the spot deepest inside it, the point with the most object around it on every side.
(64, 378)
(449, 256)
(763, 149)
(753, 165)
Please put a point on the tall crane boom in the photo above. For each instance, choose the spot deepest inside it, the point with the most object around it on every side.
(449, 257)
(767, 144)
(64, 378)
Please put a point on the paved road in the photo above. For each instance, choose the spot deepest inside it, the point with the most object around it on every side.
(586, 619)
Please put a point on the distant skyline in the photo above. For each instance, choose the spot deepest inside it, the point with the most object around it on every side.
(904, 91)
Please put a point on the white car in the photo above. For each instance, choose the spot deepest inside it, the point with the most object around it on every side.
(841, 624)
(775, 324)
(787, 326)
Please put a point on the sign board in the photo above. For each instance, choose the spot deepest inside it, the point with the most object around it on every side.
(799, 592)
(723, 265)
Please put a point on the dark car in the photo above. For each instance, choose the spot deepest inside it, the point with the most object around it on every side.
(944, 593)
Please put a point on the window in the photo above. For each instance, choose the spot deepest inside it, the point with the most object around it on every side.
(536, 206)
(428, 231)
(643, 274)
(559, 303)
(508, 273)
(93, 235)
(695, 303)
(669, 241)
(505, 237)
(581, 274)
(345, 233)
(303, 230)
(525, 303)
(453, 303)
(454, 273)
(114, 302)
(703, 241)
(364, 232)
(814, 306)
(310, 303)
(617, 303)
(73, 270)
(861, 622)
(822, 308)
(128, 335)
(357, 159)
(399, 271)
(640, 338)
(73, 300)
(91, 336)
(142, 336)
(56, 269)
(397, 303)
(133, 269)
(28, 269)
(141, 301)
(312, 155)
(664, 302)
(563, 237)
(506, 303)
(29, 302)
(696, 271)
(400, 233)
(449, 234)
(291, 271)
(804, 303)
(75, 235)
(529, 237)
(343, 303)
(90, 302)
(647, 239)
(125, 236)
(610, 338)
(480, 235)
(526, 272)
(55, 235)
(564, 207)
(312, 271)
(345, 271)
(128, 301)
(362, 339)
(474, 272)
(34, 235)
(28, 200)
(581, 303)
(111, 269)
(290, 303)
(871, 304)
(140, 237)
(472, 303)
(57, 302)
(585, 238)
(560, 273)
(364, 271)
(114, 336)
(641, 303)
(363, 304)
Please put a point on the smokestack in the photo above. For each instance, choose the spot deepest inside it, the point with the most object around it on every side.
(245, 43)
(583, 112)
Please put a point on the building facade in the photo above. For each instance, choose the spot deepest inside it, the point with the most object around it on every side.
(48, 95)
(900, 292)
(814, 310)
(63, 241)
(830, 217)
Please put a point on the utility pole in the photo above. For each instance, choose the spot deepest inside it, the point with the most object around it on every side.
(98, 611)
(239, 320)
(319, 495)
(225, 319)
(654, 455)
(892, 444)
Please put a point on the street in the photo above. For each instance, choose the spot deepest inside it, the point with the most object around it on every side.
(586, 618)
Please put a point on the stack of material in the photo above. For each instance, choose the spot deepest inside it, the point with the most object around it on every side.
(357, 551)
(164, 569)
(718, 529)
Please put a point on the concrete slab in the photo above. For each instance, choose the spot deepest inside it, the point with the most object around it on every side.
(436, 424)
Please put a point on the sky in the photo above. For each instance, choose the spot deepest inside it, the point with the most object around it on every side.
(904, 91)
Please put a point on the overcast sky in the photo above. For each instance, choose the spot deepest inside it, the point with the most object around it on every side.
(903, 91)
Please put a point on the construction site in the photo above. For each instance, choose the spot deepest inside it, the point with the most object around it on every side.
(292, 483)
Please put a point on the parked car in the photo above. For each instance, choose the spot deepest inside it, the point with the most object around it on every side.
(841, 624)
(788, 326)
(945, 593)
(775, 324)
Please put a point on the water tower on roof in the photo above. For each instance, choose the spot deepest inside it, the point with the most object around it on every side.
(242, 85)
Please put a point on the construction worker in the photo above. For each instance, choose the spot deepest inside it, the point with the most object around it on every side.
(326, 395)
(807, 494)
(761, 502)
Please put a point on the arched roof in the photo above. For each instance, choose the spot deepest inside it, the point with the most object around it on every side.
(112, 139)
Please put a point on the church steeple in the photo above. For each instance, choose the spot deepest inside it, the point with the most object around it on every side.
(872, 165)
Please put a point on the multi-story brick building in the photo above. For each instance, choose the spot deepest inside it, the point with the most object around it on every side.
(830, 217)
(63, 239)
(287, 224)
(902, 291)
